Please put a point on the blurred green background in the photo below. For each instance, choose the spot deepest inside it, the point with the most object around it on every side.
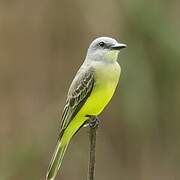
(43, 43)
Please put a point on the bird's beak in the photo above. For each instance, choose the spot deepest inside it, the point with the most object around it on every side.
(118, 46)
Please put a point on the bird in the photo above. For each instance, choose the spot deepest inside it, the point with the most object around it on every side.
(90, 91)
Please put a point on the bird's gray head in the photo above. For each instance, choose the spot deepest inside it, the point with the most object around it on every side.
(104, 49)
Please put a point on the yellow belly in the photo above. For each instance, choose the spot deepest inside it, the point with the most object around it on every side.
(106, 80)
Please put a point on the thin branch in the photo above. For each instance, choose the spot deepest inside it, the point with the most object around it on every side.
(94, 124)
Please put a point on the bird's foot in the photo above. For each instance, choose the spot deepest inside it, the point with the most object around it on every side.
(93, 121)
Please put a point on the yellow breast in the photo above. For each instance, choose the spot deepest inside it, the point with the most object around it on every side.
(106, 80)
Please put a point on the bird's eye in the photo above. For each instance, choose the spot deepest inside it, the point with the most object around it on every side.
(101, 44)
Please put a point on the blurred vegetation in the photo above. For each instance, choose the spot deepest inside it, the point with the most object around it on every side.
(42, 44)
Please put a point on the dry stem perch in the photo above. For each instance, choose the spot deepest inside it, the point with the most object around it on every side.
(94, 124)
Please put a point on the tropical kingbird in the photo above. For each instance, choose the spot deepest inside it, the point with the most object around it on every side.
(89, 93)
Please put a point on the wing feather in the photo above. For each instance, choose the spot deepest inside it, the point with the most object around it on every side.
(79, 91)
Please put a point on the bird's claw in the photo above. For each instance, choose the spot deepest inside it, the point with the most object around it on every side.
(93, 121)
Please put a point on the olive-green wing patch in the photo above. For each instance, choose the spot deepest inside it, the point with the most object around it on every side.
(79, 91)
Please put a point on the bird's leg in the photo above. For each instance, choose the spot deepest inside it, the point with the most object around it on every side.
(93, 121)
